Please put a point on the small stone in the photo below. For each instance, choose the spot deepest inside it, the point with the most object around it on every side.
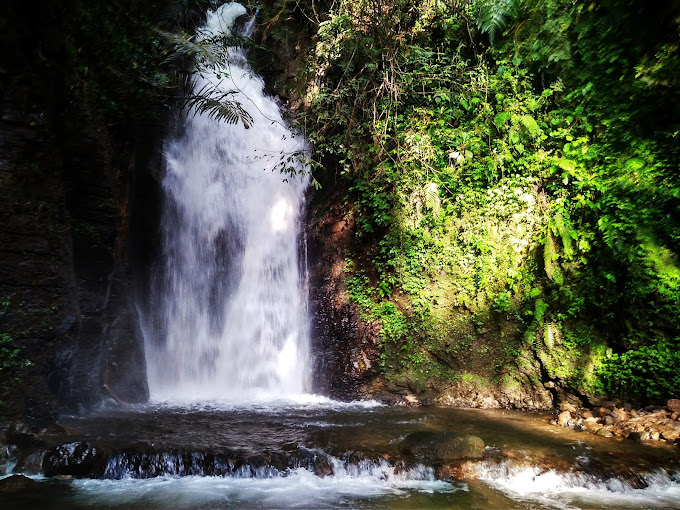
(609, 405)
(587, 414)
(609, 419)
(675, 416)
(627, 406)
(673, 405)
(654, 435)
(604, 432)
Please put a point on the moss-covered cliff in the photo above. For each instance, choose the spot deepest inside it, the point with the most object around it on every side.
(511, 192)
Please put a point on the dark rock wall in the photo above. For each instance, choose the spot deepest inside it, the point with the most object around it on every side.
(346, 357)
(67, 197)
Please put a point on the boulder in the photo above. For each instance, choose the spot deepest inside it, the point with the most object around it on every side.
(673, 405)
(78, 459)
(430, 446)
(564, 418)
(16, 483)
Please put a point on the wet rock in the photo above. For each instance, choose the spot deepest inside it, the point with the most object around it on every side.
(673, 405)
(21, 435)
(30, 462)
(442, 446)
(78, 459)
(605, 432)
(16, 483)
(564, 419)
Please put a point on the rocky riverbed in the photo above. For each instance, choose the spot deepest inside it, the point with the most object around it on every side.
(611, 420)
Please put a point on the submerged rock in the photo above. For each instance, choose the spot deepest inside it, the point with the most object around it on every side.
(428, 446)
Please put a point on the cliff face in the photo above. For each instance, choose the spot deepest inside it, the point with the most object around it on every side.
(69, 327)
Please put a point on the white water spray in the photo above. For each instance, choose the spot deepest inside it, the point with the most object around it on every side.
(230, 306)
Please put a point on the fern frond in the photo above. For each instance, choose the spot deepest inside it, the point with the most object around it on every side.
(207, 53)
(432, 200)
(219, 107)
(493, 16)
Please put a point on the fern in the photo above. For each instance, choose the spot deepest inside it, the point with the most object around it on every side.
(432, 200)
(494, 14)
(218, 107)
(207, 53)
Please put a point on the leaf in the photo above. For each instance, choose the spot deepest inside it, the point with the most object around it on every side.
(218, 107)
(501, 119)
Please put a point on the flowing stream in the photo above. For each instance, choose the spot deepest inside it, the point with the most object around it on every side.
(229, 318)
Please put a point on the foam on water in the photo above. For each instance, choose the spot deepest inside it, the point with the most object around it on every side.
(579, 490)
(297, 488)
(264, 402)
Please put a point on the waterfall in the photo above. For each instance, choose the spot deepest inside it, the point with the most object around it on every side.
(229, 317)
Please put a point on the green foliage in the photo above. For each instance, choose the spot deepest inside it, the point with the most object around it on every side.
(536, 180)
(649, 372)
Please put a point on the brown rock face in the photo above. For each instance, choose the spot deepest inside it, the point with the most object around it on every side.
(673, 405)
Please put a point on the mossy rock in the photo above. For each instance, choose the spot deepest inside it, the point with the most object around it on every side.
(430, 446)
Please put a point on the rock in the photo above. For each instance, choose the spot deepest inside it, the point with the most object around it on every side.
(609, 405)
(602, 412)
(591, 425)
(442, 446)
(564, 418)
(604, 432)
(566, 406)
(673, 405)
(587, 414)
(79, 459)
(619, 415)
(30, 463)
(669, 434)
(627, 406)
(20, 434)
(16, 483)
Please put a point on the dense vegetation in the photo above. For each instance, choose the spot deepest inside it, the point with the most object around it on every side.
(512, 167)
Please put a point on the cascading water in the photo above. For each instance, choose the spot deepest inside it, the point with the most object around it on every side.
(229, 307)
